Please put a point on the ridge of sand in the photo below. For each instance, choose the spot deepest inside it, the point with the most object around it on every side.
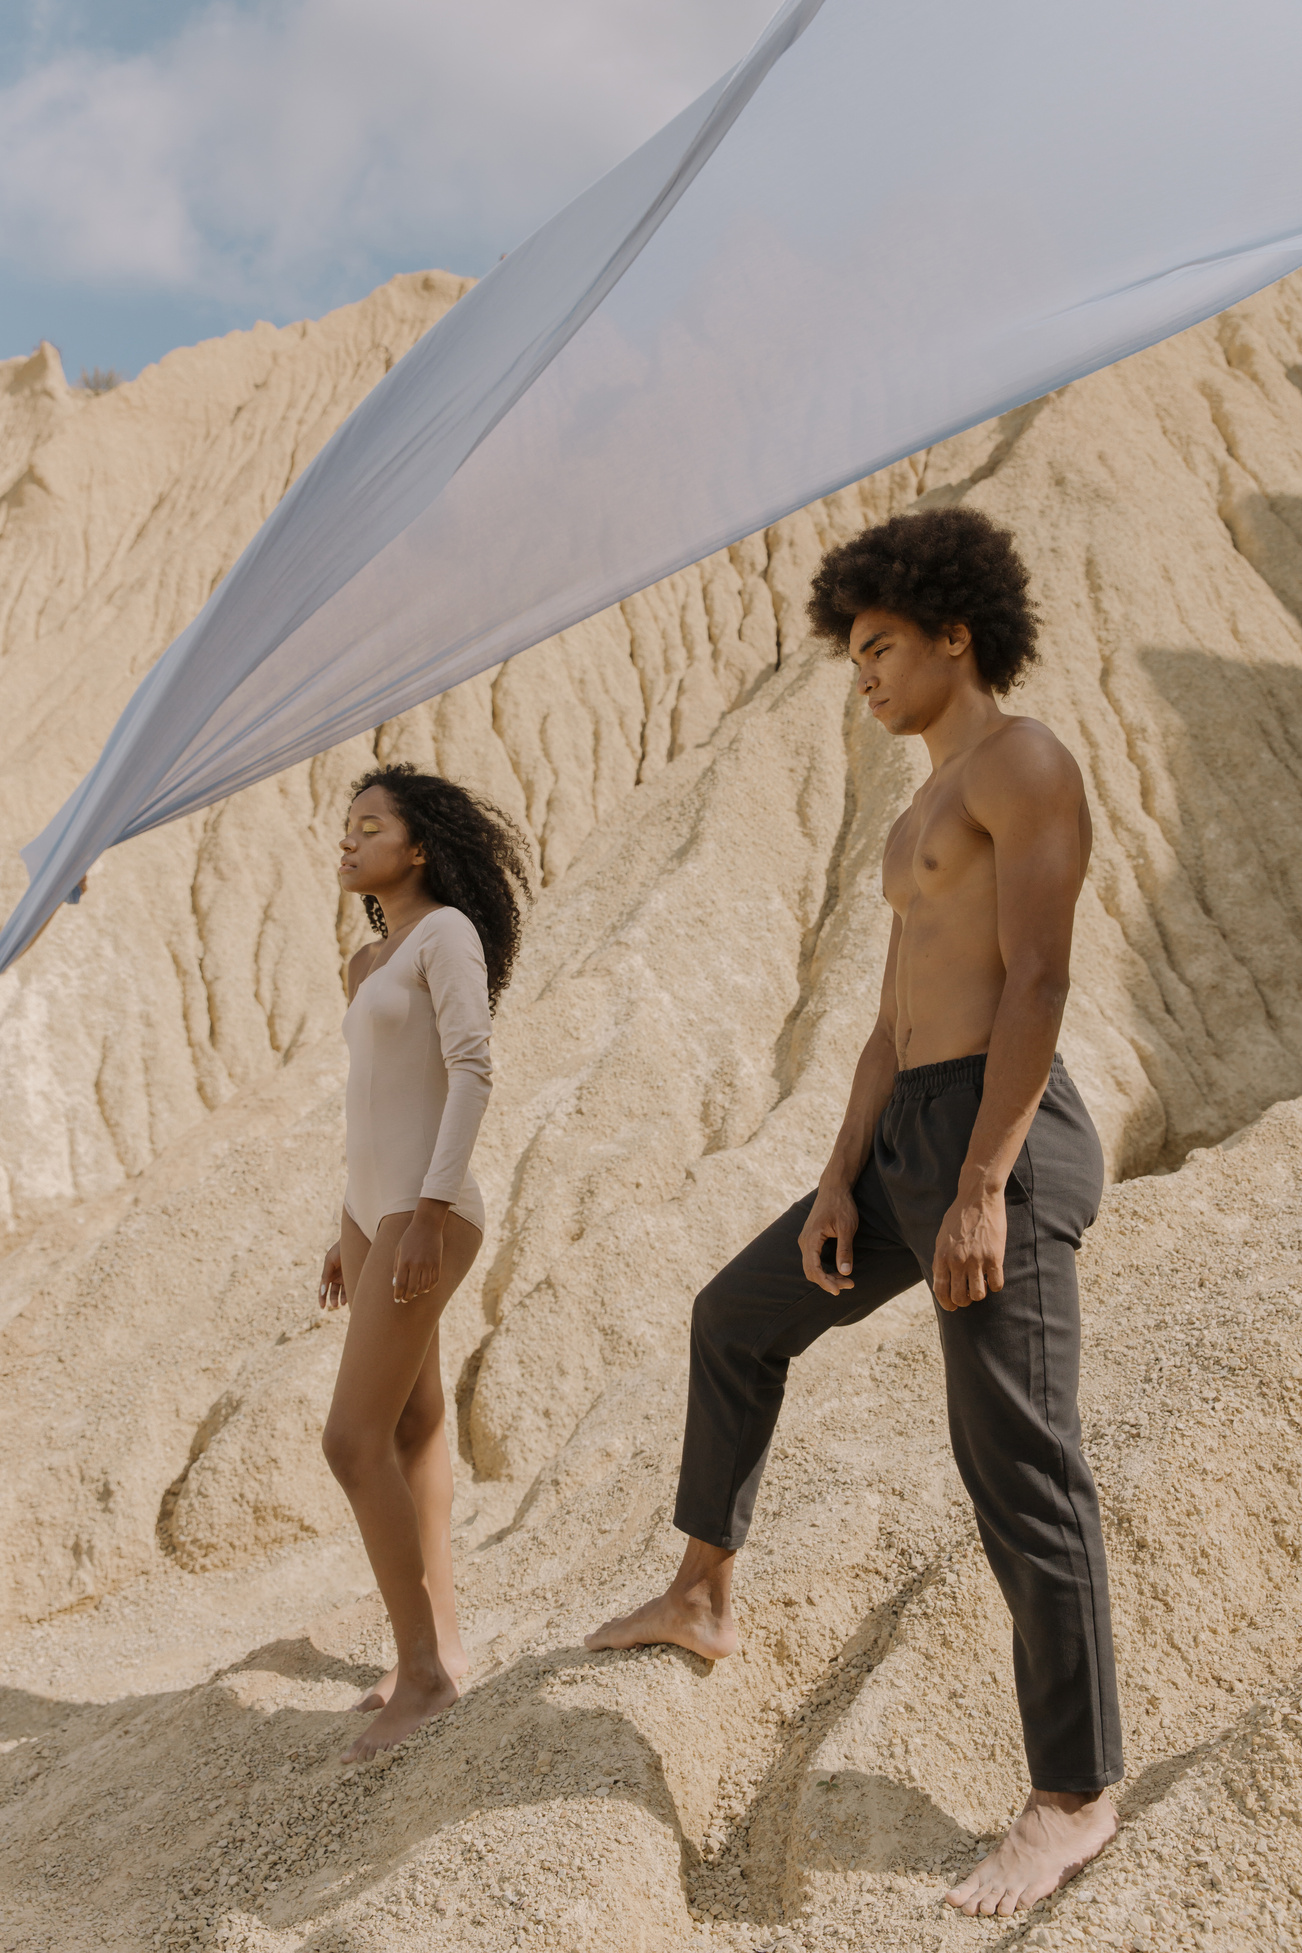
(187, 1608)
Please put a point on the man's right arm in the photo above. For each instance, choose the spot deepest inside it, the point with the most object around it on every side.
(834, 1216)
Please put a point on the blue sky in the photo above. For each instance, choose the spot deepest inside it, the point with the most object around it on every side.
(170, 169)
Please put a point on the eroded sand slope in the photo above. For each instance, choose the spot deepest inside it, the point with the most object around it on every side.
(701, 967)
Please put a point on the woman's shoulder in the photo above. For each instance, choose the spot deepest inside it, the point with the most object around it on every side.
(448, 930)
(449, 922)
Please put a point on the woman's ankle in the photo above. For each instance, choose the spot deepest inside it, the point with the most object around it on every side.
(421, 1667)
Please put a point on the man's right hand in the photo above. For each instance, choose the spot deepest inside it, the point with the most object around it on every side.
(833, 1217)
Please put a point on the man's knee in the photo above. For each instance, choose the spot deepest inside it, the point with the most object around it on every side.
(714, 1310)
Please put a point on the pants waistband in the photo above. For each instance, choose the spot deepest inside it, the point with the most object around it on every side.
(950, 1075)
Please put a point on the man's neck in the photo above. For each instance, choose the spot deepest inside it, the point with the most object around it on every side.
(964, 720)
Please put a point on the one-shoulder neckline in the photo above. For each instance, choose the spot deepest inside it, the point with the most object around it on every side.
(394, 954)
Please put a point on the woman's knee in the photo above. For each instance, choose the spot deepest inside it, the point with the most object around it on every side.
(419, 1426)
(351, 1454)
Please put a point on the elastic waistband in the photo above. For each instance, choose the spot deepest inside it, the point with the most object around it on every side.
(950, 1075)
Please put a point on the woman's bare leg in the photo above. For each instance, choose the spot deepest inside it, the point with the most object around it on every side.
(426, 1461)
(384, 1353)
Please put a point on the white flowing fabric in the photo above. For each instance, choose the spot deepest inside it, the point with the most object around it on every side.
(885, 224)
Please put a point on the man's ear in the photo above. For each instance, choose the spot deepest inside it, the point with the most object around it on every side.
(957, 639)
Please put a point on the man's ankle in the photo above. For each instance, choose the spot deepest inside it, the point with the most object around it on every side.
(701, 1596)
(703, 1581)
(1071, 1801)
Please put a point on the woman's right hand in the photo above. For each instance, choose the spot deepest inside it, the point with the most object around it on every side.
(332, 1280)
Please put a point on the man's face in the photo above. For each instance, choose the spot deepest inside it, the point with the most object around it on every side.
(906, 676)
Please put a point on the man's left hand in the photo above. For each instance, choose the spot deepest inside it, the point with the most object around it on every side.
(969, 1258)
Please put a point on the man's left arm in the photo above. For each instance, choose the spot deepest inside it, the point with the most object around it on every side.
(1029, 800)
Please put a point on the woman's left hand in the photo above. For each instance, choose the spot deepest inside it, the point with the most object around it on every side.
(419, 1260)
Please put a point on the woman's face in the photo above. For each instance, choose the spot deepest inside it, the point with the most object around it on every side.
(377, 854)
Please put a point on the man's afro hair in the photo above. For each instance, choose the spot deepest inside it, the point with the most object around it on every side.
(940, 566)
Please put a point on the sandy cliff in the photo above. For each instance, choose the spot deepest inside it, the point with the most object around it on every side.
(186, 1607)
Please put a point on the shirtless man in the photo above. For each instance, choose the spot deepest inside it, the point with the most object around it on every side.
(966, 1157)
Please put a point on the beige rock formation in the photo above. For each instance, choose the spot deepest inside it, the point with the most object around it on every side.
(702, 963)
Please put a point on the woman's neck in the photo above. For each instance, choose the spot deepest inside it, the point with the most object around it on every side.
(403, 911)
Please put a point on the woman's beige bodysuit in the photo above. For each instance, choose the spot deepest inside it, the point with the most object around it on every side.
(419, 1074)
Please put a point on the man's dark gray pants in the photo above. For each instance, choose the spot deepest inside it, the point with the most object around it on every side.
(1011, 1368)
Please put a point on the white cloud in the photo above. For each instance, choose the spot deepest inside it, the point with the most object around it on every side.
(276, 154)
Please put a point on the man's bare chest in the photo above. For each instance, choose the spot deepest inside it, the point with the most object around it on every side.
(936, 851)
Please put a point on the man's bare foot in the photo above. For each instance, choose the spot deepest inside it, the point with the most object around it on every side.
(1056, 1834)
(408, 1707)
(455, 1662)
(684, 1620)
(695, 1613)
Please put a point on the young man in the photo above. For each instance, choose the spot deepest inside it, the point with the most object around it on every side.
(965, 1157)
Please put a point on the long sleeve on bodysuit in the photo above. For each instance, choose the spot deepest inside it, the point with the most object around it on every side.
(452, 962)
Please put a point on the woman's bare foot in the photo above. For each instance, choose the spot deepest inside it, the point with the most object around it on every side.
(455, 1662)
(684, 1620)
(411, 1704)
(1056, 1834)
(377, 1697)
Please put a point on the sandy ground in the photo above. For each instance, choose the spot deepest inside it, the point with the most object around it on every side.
(817, 1790)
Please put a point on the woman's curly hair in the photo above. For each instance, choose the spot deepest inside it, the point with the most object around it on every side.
(937, 567)
(476, 859)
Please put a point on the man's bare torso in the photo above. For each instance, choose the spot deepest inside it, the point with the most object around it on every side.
(938, 874)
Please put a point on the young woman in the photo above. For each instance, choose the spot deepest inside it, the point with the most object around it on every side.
(442, 876)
